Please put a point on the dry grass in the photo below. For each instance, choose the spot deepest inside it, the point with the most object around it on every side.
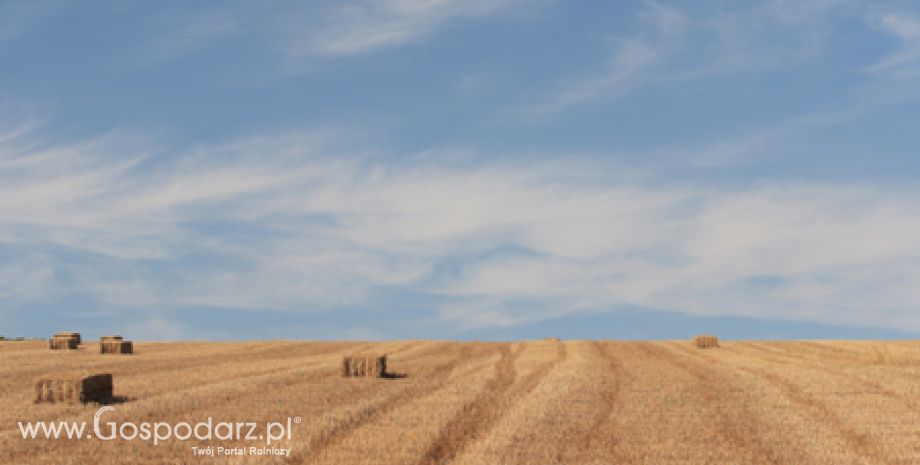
(891, 354)
(543, 402)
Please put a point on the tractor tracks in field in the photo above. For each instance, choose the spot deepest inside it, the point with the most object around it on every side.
(870, 386)
(860, 443)
(479, 415)
(614, 371)
(438, 377)
(741, 431)
(598, 428)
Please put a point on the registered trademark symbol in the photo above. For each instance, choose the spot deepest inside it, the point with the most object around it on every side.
(297, 420)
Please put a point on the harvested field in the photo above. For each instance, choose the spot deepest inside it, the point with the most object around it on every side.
(533, 403)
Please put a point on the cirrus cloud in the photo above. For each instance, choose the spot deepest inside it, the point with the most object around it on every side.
(289, 223)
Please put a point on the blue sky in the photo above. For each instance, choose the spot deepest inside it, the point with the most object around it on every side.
(460, 169)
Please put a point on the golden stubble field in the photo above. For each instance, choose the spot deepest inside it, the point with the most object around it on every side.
(529, 403)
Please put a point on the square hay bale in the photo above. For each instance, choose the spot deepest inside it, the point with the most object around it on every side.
(70, 336)
(706, 342)
(116, 347)
(552, 339)
(73, 388)
(110, 338)
(63, 343)
(364, 366)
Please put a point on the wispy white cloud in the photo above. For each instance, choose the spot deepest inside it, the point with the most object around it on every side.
(904, 62)
(283, 223)
(822, 248)
(362, 26)
(678, 42)
(659, 30)
(294, 34)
